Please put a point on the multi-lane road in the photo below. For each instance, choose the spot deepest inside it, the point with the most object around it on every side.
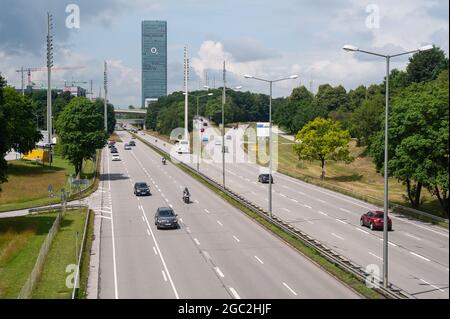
(217, 252)
(418, 251)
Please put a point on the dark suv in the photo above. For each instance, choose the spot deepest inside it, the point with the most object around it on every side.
(141, 188)
(132, 143)
(264, 178)
(165, 217)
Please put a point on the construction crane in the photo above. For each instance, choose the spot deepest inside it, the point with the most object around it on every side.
(41, 69)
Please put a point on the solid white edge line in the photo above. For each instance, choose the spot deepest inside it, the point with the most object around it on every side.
(164, 275)
(116, 290)
(234, 293)
(154, 250)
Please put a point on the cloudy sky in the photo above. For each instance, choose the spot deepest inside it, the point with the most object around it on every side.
(266, 38)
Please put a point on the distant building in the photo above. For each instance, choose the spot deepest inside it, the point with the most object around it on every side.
(154, 61)
(75, 90)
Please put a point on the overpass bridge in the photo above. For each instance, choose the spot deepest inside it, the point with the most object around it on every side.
(131, 116)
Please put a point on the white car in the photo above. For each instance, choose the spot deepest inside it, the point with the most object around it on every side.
(115, 157)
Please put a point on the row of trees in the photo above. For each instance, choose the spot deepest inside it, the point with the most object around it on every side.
(419, 122)
(17, 127)
(168, 113)
(418, 132)
(78, 122)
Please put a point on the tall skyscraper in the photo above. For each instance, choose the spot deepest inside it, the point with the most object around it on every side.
(154, 61)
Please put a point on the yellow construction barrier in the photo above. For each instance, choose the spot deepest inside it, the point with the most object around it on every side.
(40, 155)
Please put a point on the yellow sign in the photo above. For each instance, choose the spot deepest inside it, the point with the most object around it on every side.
(41, 155)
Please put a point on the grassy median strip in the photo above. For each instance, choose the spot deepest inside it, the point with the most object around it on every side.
(342, 275)
(20, 241)
(52, 283)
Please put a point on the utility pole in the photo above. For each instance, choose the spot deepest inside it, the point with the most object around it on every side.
(105, 84)
(223, 123)
(23, 85)
(186, 76)
(49, 72)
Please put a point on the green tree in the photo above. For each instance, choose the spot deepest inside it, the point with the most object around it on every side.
(17, 125)
(418, 140)
(295, 111)
(426, 65)
(80, 129)
(332, 98)
(60, 103)
(111, 116)
(356, 97)
(367, 119)
(322, 140)
(4, 145)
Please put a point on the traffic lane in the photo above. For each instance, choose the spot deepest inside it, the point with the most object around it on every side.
(439, 256)
(407, 269)
(332, 230)
(248, 280)
(217, 242)
(138, 270)
(434, 233)
(284, 195)
(106, 287)
(190, 273)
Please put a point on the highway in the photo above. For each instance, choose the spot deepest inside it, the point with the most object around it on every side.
(218, 252)
(418, 251)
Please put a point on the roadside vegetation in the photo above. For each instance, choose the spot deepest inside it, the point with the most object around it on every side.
(418, 134)
(52, 283)
(28, 182)
(20, 241)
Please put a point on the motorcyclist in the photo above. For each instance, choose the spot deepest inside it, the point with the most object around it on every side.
(163, 160)
(186, 192)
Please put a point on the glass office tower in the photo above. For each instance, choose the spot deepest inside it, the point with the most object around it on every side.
(154, 61)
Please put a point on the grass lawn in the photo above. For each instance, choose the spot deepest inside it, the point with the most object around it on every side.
(20, 241)
(52, 283)
(28, 182)
(358, 177)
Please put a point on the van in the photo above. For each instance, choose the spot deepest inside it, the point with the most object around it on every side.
(183, 147)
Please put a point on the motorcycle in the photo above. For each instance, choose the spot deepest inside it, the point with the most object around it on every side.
(186, 198)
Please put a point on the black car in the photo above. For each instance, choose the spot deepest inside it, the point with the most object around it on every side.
(141, 189)
(165, 217)
(132, 143)
(264, 178)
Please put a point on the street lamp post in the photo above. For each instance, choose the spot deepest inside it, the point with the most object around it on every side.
(352, 48)
(223, 121)
(198, 122)
(292, 77)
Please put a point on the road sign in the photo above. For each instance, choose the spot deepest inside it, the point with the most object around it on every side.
(262, 129)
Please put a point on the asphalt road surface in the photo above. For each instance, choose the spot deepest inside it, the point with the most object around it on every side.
(217, 252)
(418, 251)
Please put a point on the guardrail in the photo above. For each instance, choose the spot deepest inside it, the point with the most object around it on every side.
(356, 270)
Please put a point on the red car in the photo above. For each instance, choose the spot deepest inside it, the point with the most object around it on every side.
(374, 220)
